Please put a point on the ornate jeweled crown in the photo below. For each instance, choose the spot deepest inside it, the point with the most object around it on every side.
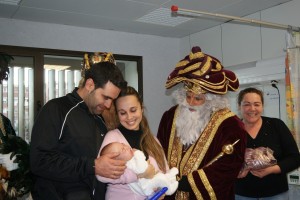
(97, 57)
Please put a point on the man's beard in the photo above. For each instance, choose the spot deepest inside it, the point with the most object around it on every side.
(189, 125)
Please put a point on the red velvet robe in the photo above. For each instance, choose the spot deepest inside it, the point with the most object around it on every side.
(215, 181)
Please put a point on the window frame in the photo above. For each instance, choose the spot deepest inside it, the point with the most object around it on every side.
(38, 59)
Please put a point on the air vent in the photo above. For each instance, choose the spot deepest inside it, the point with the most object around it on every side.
(163, 16)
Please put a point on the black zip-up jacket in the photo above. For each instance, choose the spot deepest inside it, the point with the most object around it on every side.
(65, 140)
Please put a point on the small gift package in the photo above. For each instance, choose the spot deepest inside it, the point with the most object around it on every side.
(259, 158)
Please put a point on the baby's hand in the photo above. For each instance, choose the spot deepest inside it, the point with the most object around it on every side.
(149, 173)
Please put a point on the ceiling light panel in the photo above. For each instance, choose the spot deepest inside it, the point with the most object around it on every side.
(11, 2)
(163, 16)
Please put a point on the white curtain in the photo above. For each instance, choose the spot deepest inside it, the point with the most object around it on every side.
(293, 83)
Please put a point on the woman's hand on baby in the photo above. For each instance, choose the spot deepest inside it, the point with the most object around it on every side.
(149, 173)
(109, 167)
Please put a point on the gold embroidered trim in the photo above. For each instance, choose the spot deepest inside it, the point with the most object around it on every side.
(186, 160)
(210, 131)
(195, 153)
(218, 66)
(195, 88)
(196, 55)
(210, 87)
(181, 195)
(182, 63)
(175, 146)
(189, 68)
(200, 72)
(192, 56)
(194, 187)
(176, 154)
(207, 185)
(204, 68)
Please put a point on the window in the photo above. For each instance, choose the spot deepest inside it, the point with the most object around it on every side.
(17, 96)
(61, 75)
(38, 75)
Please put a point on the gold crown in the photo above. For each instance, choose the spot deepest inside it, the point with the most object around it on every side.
(192, 87)
(97, 57)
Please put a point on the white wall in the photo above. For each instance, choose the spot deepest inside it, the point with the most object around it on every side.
(235, 43)
(240, 44)
(160, 54)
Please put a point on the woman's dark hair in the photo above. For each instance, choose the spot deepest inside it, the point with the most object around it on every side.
(242, 93)
(148, 142)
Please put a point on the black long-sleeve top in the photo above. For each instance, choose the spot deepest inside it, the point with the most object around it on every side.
(275, 135)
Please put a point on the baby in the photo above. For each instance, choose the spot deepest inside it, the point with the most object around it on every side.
(136, 161)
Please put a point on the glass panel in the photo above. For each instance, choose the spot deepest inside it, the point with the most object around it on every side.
(17, 94)
(61, 75)
(129, 71)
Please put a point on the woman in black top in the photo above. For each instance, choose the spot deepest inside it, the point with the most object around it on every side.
(268, 132)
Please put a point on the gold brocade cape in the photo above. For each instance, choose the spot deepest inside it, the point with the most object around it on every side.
(193, 158)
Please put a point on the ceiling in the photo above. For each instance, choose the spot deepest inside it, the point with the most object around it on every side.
(152, 17)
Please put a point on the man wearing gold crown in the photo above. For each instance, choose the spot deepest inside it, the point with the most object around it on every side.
(200, 135)
(68, 133)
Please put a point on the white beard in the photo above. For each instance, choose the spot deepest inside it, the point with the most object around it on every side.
(189, 125)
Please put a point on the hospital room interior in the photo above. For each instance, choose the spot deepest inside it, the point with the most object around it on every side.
(46, 40)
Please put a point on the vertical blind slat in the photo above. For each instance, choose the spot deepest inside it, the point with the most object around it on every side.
(70, 81)
(61, 83)
(10, 96)
(30, 104)
(51, 84)
(1, 97)
(21, 98)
